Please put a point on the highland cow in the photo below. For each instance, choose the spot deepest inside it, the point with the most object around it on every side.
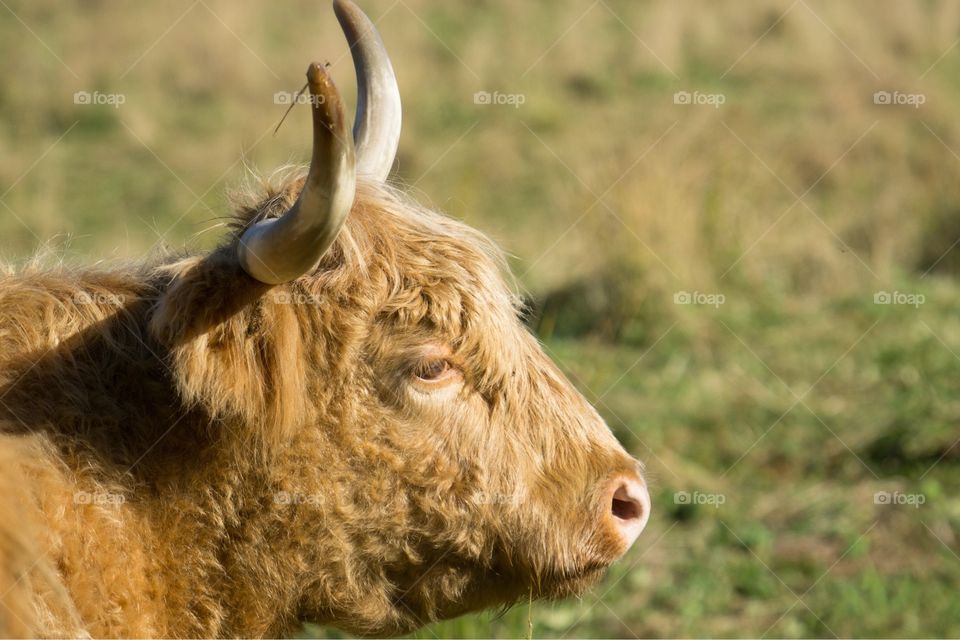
(337, 416)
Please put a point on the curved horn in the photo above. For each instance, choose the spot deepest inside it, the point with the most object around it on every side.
(376, 127)
(282, 249)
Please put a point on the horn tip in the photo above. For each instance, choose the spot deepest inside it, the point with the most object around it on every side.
(351, 18)
(343, 6)
(316, 72)
(321, 83)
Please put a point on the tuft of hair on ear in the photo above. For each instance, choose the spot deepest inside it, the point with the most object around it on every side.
(265, 196)
(232, 351)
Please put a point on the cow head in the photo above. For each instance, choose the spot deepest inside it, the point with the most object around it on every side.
(428, 456)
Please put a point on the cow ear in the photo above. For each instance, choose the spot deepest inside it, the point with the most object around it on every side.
(231, 351)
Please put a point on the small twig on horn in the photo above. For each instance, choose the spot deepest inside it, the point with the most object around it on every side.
(296, 98)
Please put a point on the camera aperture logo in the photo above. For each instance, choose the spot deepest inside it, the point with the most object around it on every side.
(896, 498)
(99, 298)
(114, 100)
(292, 498)
(709, 499)
(99, 498)
(490, 498)
(899, 297)
(295, 97)
(899, 98)
(294, 297)
(495, 98)
(697, 98)
(699, 298)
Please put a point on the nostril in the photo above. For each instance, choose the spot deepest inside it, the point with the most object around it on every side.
(624, 506)
(629, 507)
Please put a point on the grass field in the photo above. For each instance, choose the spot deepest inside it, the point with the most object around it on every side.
(737, 223)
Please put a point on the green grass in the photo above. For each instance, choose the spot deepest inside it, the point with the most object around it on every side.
(711, 414)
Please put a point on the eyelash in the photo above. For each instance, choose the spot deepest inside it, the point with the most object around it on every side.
(432, 370)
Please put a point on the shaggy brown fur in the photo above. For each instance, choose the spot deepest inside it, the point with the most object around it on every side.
(187, 452)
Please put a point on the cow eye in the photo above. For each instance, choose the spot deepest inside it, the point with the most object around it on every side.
(434, 369)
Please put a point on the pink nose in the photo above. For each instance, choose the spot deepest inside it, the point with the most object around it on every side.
(629, 507)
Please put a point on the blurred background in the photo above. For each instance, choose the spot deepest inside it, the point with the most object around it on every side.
(736, 223)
